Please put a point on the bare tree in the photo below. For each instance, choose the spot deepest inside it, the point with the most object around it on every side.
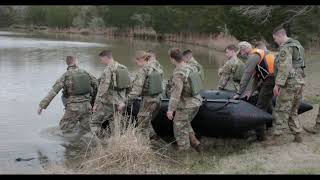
(263, 14)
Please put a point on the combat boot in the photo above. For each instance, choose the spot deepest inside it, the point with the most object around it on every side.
(154, 137)
(298, 138)
(317, 127)
(272, 140)
(195, 143)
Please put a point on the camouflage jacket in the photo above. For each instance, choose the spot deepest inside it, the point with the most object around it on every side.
(227, 71)
(196, 67)
(140, 84)
(107, 94)
(285, 70)
(181, 90)
(65, 83)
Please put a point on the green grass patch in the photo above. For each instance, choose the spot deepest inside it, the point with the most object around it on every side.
(305, 171)
(313, 99)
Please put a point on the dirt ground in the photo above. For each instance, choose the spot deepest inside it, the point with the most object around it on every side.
(237, 156)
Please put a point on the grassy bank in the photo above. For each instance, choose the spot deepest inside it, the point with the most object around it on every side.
(127, 152)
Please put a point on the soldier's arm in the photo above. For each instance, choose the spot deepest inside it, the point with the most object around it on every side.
(226, 72)
(168, 87)
(94, 81)
(255, 83)
(285, 65)
(58, 85)
(103, 85)
(137, 86)
(248, 72)
(177, 86)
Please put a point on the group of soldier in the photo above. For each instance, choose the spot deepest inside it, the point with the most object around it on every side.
(94, 103)
(281, 76)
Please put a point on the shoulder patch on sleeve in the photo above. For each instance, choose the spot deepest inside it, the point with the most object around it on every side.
(283, 54)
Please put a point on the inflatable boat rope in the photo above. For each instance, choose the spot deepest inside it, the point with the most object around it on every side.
(226, 102)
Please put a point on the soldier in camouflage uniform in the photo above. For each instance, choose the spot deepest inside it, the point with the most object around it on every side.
(316, 128)
(77, 93)
(193, 63)
(232, 69)
(151, 102)
(289, 84)
(109, 98)
(183, 103)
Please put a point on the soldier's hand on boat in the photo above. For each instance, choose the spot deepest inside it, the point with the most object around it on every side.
(247, 95)
(276, 90)
(170, 115)
(121, 107)
(220, 71)
(237, 96)
(40, 110)
(94, 108)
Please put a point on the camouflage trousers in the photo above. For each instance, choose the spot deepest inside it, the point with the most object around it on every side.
(286, 109)
(266, 93)
(149, 109)
(318, 116)
(223, 81)
(74, 113)
(101, 118)
(182, 126)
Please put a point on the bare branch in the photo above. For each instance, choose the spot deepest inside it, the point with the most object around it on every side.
(262, 14)
(259, 14)
(300, 12)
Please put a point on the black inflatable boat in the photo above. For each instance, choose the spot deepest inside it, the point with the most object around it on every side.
(219, 116)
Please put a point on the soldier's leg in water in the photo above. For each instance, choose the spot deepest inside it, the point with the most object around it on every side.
(293, 121)
(85, 118)
(181, 129)
(70, 118)
(97, 120)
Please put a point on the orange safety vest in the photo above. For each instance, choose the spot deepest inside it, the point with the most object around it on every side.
(265, 67)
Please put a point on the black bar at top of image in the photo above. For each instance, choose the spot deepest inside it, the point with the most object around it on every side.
(157, 2)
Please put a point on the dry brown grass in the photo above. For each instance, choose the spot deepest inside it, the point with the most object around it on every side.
(124, 151)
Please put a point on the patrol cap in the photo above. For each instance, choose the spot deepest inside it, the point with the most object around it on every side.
(244, 45)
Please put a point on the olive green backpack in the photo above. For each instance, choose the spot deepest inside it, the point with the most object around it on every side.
(195, 82)
(122, 77)
(80, 83)
(155, 83)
